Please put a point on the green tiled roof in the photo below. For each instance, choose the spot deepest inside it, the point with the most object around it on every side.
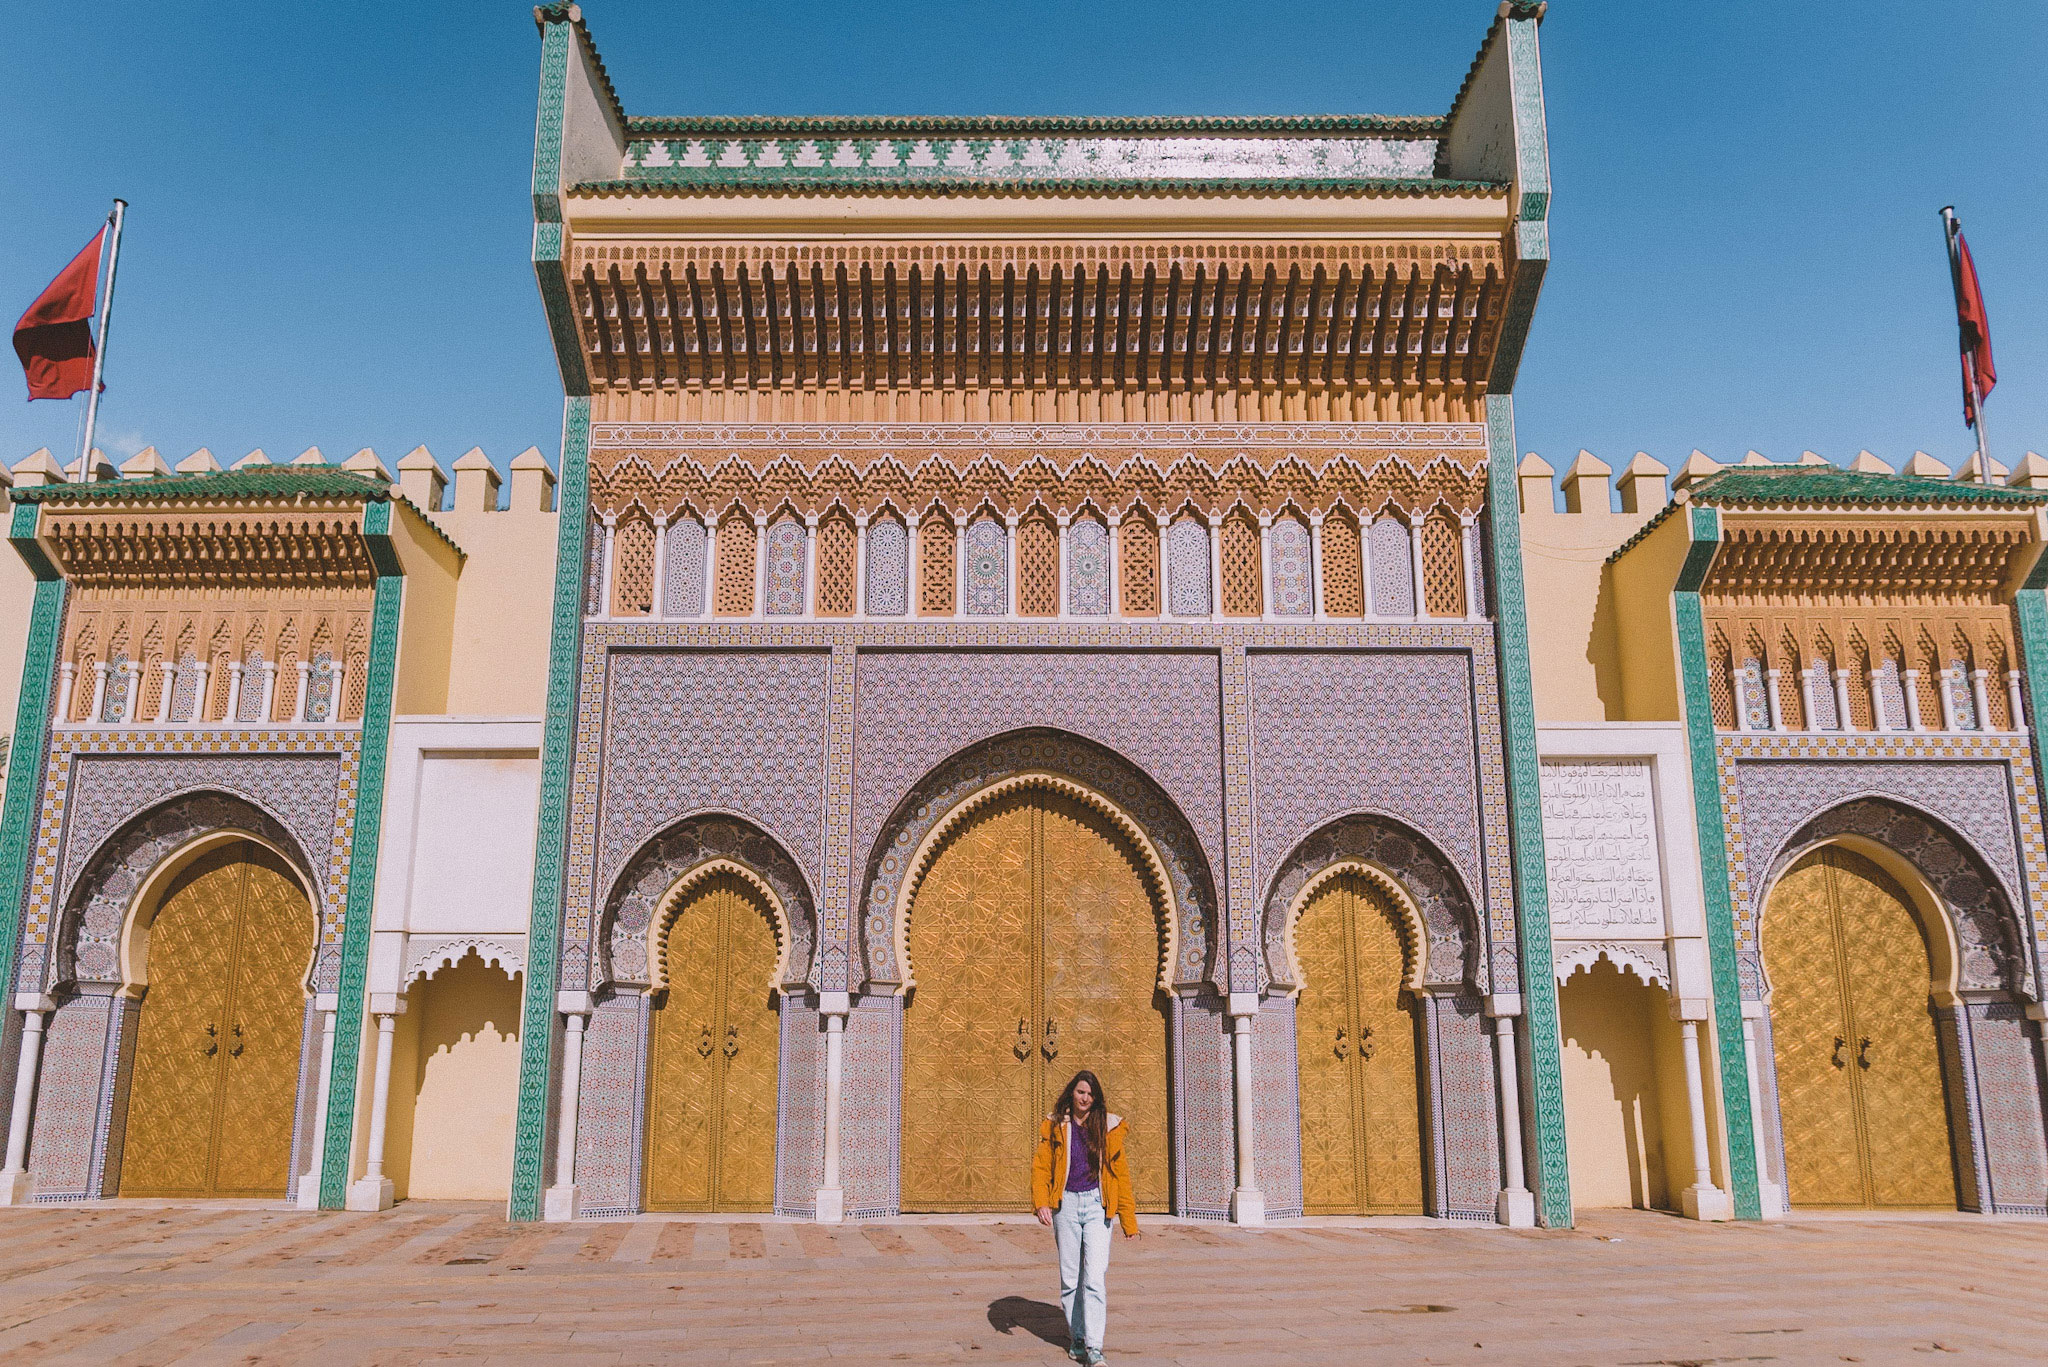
(268, 482)
(1017, 125)
(257, 484)
(1831, 485)
(941, 184)
(1824, 484)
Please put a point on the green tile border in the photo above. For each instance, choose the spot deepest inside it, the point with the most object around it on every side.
(1710, 818)
(362, 859)
(1543, 1069)
(31, 745)
(558, 739)
(2030, 606)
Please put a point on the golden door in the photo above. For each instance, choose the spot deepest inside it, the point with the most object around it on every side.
(217, 1046)
(1859, 1072)
(712, 1064)
(1036, 947)
(1361, 1116)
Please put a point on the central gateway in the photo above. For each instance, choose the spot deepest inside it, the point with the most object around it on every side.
(1034, 940)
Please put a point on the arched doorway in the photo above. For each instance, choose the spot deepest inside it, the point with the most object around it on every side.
(713, 1055)
(1035, 941)
(1860, 1094)
(1355, 1030)
(217, 1047)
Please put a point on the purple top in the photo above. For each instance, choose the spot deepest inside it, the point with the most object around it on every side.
(1080, 1163)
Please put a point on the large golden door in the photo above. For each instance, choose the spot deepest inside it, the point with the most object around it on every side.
(712, 1065)
(217, 1047)
(1859, 1070)
(1361, 1117)
(1036, 947)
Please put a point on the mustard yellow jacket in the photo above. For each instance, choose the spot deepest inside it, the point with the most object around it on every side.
(1049, 1171)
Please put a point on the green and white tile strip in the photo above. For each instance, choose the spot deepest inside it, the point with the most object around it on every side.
(1525, 819)
(1710, 818)
(362, 860)
(30, 748)
(557, 38)
(2030, 604)
(558, 740)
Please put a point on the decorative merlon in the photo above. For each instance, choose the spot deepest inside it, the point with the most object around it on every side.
(420, 478)
(365, 462)
(1586, 484)
(1697, 467)
(253, 459)
(1534, 475)
(200, 462)
(2031, 472)
(1869, 464)
(1925, 467)
(533, 482)
(476, 482)
(144, 464)
(310, 456)
(1642, 484)
(39, 468)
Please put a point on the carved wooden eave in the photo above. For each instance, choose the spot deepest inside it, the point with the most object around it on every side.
(211, 547)
(1916, 556)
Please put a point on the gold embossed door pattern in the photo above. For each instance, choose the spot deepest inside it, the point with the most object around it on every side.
(217, 1047)
(1361, 1119)
(1859, 1072)
(712, 1065)
(1035, 941)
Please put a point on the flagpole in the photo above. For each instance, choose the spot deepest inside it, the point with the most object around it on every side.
(99, 353)
(1975, 406)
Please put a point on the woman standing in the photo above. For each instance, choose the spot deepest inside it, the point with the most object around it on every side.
(1079, 1179)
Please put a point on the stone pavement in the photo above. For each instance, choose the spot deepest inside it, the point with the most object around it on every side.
(156, 1282)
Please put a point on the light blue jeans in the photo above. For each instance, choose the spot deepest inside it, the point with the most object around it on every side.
(1082, 1228)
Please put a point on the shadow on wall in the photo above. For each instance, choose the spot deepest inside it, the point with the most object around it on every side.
(1624, 1090)
(460, 1068)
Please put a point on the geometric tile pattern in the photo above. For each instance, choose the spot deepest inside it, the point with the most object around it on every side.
(1290, 542)
(97, 781)
(888, 568)
(987, 569)
(1187, 568)
(787, 547)
(682, 590)
(1087, 544)
(1983, 787)
(1204, 1133)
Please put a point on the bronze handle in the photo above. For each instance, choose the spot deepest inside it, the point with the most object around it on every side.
(1022, 1048)
(236, 1052)
(1052, 1040)
(1863, 1052)
(1840, 1044)
(732, 1040)
(1364, 1043)
(1343, 1050)
(704, 1045)
(212, 1042)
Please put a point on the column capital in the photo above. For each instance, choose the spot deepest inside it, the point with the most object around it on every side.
(387, 1003)
(34, 1001)
(1504, 1004)
(835, 1003)
(1243, 1004)
(330, 1002)
(573, 1003)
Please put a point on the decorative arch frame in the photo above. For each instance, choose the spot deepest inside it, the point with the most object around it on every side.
(1647, 961)
(426, 956)
(671, 909)
(1974, 935)
(1158, 883)
(102, 935)
(1112, 778)
(646, 887)
(1450, 937)
(1414, 936)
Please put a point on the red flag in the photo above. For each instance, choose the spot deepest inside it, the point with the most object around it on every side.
(1975, 330)
(54, 338)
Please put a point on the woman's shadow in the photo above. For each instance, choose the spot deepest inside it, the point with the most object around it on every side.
(1015, 1312)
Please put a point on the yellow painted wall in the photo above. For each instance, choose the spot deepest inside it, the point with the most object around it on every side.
(1616, 1129)
(1573, 659)
(426, 614)
(504, 608)
(457, 1141)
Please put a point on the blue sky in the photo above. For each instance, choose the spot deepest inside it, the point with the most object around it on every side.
(329, 237)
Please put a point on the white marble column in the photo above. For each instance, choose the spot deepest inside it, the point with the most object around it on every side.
(658, 606)
(1843, 720)
(1702, 1200)
(67, 684)
(1061, 522)
(269, 691)
(1770, 1195)
(1415, 559)
(35, 1010)
(1979, 694)
(199, 699)
(2015, 700)
(860, 564)
(1215, 569)
(1010, 521)
(1517, 1205)
(1944, 686)
(305, 668)
(1910, 679)
(1878, 720)
(134, 695)
(170, 686)
(237, 676)
(1266, 594)
(99, 690)
(1774, 690)
(560, 1202)
(809, 605)
(1115, 524)
(1315, 567)
(1247, 1202)
(309, 1181)
(604, 601)
(373, 1190)
(834, 1007)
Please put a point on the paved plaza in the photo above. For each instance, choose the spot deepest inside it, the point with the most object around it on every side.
(160, 1283)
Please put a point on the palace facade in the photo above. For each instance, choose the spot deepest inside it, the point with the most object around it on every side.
(1019, 595)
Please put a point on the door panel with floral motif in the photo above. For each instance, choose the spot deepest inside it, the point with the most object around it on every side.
(1035, 942)
(1361, 1120)
(1860, 1097)
(217, 1046)
(713, 1057)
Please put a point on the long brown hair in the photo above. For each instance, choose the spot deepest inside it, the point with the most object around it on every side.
(1095, 1125)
